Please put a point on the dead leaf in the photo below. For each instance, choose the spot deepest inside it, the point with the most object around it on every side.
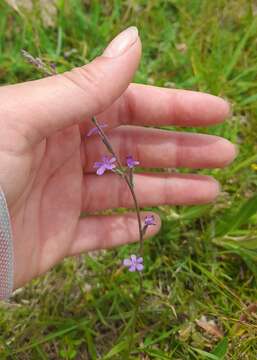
(251, 310)
(17, 4)
(48, 12)
(210, 327)
(48, 9)
(186, 331)
(13, 4)
(182, 47)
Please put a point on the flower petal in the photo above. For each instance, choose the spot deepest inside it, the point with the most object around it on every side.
(101, 170)
(98, 164)
(149, 220)
(139, 267)
(113, 159)
(95, 130)
(131, 163)
(92, 131)
(140, 260)
(132, 268)
(133, 258)
(127, 262)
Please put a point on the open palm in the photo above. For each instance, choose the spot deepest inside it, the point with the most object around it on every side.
(47, 159)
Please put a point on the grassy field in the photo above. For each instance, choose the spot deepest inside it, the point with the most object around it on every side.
(200, 285)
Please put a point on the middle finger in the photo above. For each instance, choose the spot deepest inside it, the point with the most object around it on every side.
(155, 148)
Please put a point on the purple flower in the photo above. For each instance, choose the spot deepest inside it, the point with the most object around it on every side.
(131, 162)
(95, 130)
(105, 164)
(149, 220)
(134, 263)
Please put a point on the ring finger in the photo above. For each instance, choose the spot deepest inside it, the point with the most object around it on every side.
(110, 191)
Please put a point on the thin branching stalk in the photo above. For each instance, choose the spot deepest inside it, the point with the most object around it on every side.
(126, 177)
(129, 180)
(39, 64)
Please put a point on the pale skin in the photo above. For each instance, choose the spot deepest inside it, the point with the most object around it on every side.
(46, 160)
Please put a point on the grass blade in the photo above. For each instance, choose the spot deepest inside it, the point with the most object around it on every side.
(206, 355)
(221, 349)
(234, 221)
(239, 49)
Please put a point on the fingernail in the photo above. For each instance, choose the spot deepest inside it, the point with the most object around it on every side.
(122, 42)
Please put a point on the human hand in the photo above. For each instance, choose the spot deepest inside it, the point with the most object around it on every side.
(46, 160)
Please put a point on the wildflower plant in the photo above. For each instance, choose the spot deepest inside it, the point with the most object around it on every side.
(135, 263)
(112, 163)
(105, 164)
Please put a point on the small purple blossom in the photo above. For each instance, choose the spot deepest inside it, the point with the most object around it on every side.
(149, 220)
(134, 263)
(105, 164)
(131, 163)
(95, 130)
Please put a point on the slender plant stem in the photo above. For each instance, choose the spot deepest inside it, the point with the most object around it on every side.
(137, 212)
(129, 180)
(126, 178)
(136, 311)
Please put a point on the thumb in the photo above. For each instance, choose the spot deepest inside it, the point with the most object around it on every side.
(43, 106)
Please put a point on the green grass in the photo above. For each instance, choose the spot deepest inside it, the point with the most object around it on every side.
(204, 261)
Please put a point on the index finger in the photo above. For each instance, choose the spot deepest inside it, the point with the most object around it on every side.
(151, 105)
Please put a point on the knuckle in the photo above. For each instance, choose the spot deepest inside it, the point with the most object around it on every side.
(126, 109)
(89, 80)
